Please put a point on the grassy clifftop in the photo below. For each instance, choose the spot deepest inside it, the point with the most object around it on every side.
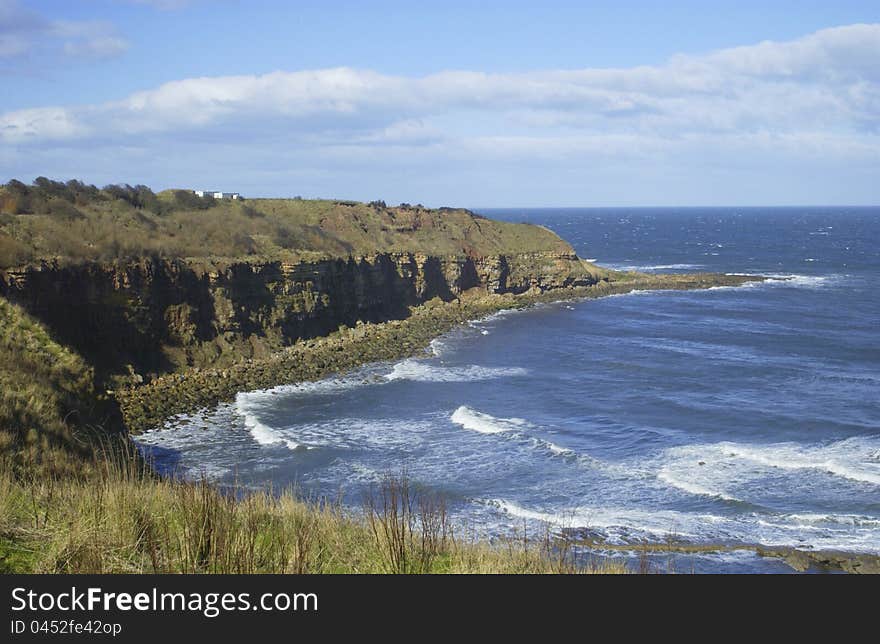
(50, 413)
(74, 222)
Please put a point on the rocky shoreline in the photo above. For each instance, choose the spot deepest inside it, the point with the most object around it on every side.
(146, 406)
(797, 559)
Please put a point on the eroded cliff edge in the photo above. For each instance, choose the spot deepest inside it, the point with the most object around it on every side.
(136, 320)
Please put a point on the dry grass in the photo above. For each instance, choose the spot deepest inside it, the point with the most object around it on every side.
(125, 520)
(104, 228)
(49, 409)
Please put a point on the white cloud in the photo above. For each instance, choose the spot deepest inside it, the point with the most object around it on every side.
(829, 79)
(803, 99)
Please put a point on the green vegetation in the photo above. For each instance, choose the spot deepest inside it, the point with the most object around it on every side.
(50, 414)
(74, 222)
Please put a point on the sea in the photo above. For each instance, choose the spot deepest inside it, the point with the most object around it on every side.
(733, 415)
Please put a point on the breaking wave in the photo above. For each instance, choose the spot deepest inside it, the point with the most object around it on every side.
(477, 421)
(261, 433)
(484, 423)
(785, 280)
(411, 369)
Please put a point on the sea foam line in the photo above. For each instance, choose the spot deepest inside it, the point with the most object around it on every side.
(660, 522)
(790, 280)
(846, 532)
(419, 371)
(709, 468)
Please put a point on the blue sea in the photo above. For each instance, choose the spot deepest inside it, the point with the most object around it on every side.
(725, 416)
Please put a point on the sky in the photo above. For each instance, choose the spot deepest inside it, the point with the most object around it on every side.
(475, 104)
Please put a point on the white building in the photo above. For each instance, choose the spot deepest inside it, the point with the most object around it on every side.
(217, 195)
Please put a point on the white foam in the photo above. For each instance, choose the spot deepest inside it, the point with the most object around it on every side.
(484, 423)
(813, 519)
(556, 449)
(419, 371)
(689, 485)
(800, 281)
(654, 267)
(261, 433)
(476, 421)
(643, 291)
(731, 288)
(659, 522)
(437, 347)
(330, 386)
(788, 280)
(663, 267)
(847, 532)
(197, 445)
(848, 459)
(711, 469)
(356, 435)
(497, 315)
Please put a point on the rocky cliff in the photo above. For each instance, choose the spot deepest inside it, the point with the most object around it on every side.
(138, 319)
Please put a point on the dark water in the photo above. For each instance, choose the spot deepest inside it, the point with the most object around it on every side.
(723, 416)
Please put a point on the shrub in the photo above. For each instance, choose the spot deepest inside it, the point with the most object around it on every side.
(250, 211)
(64, 210)
(12, 252)
(188, 200)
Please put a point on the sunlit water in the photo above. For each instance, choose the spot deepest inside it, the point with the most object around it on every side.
(733, 415)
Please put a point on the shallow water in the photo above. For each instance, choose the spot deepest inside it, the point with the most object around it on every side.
(729, 415)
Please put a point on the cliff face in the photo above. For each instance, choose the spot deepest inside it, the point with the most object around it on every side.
(152, 316)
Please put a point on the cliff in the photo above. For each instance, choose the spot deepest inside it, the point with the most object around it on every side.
(142, 318)
(141, 284)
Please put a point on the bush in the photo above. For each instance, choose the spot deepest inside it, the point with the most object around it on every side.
(51, 189)
(82, 193)
(64, 210)
(41, 197)
(251, 212)
(139, 196)
(12, 252)
(188, 200)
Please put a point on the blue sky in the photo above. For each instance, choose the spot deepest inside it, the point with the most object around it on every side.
(459, 103)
